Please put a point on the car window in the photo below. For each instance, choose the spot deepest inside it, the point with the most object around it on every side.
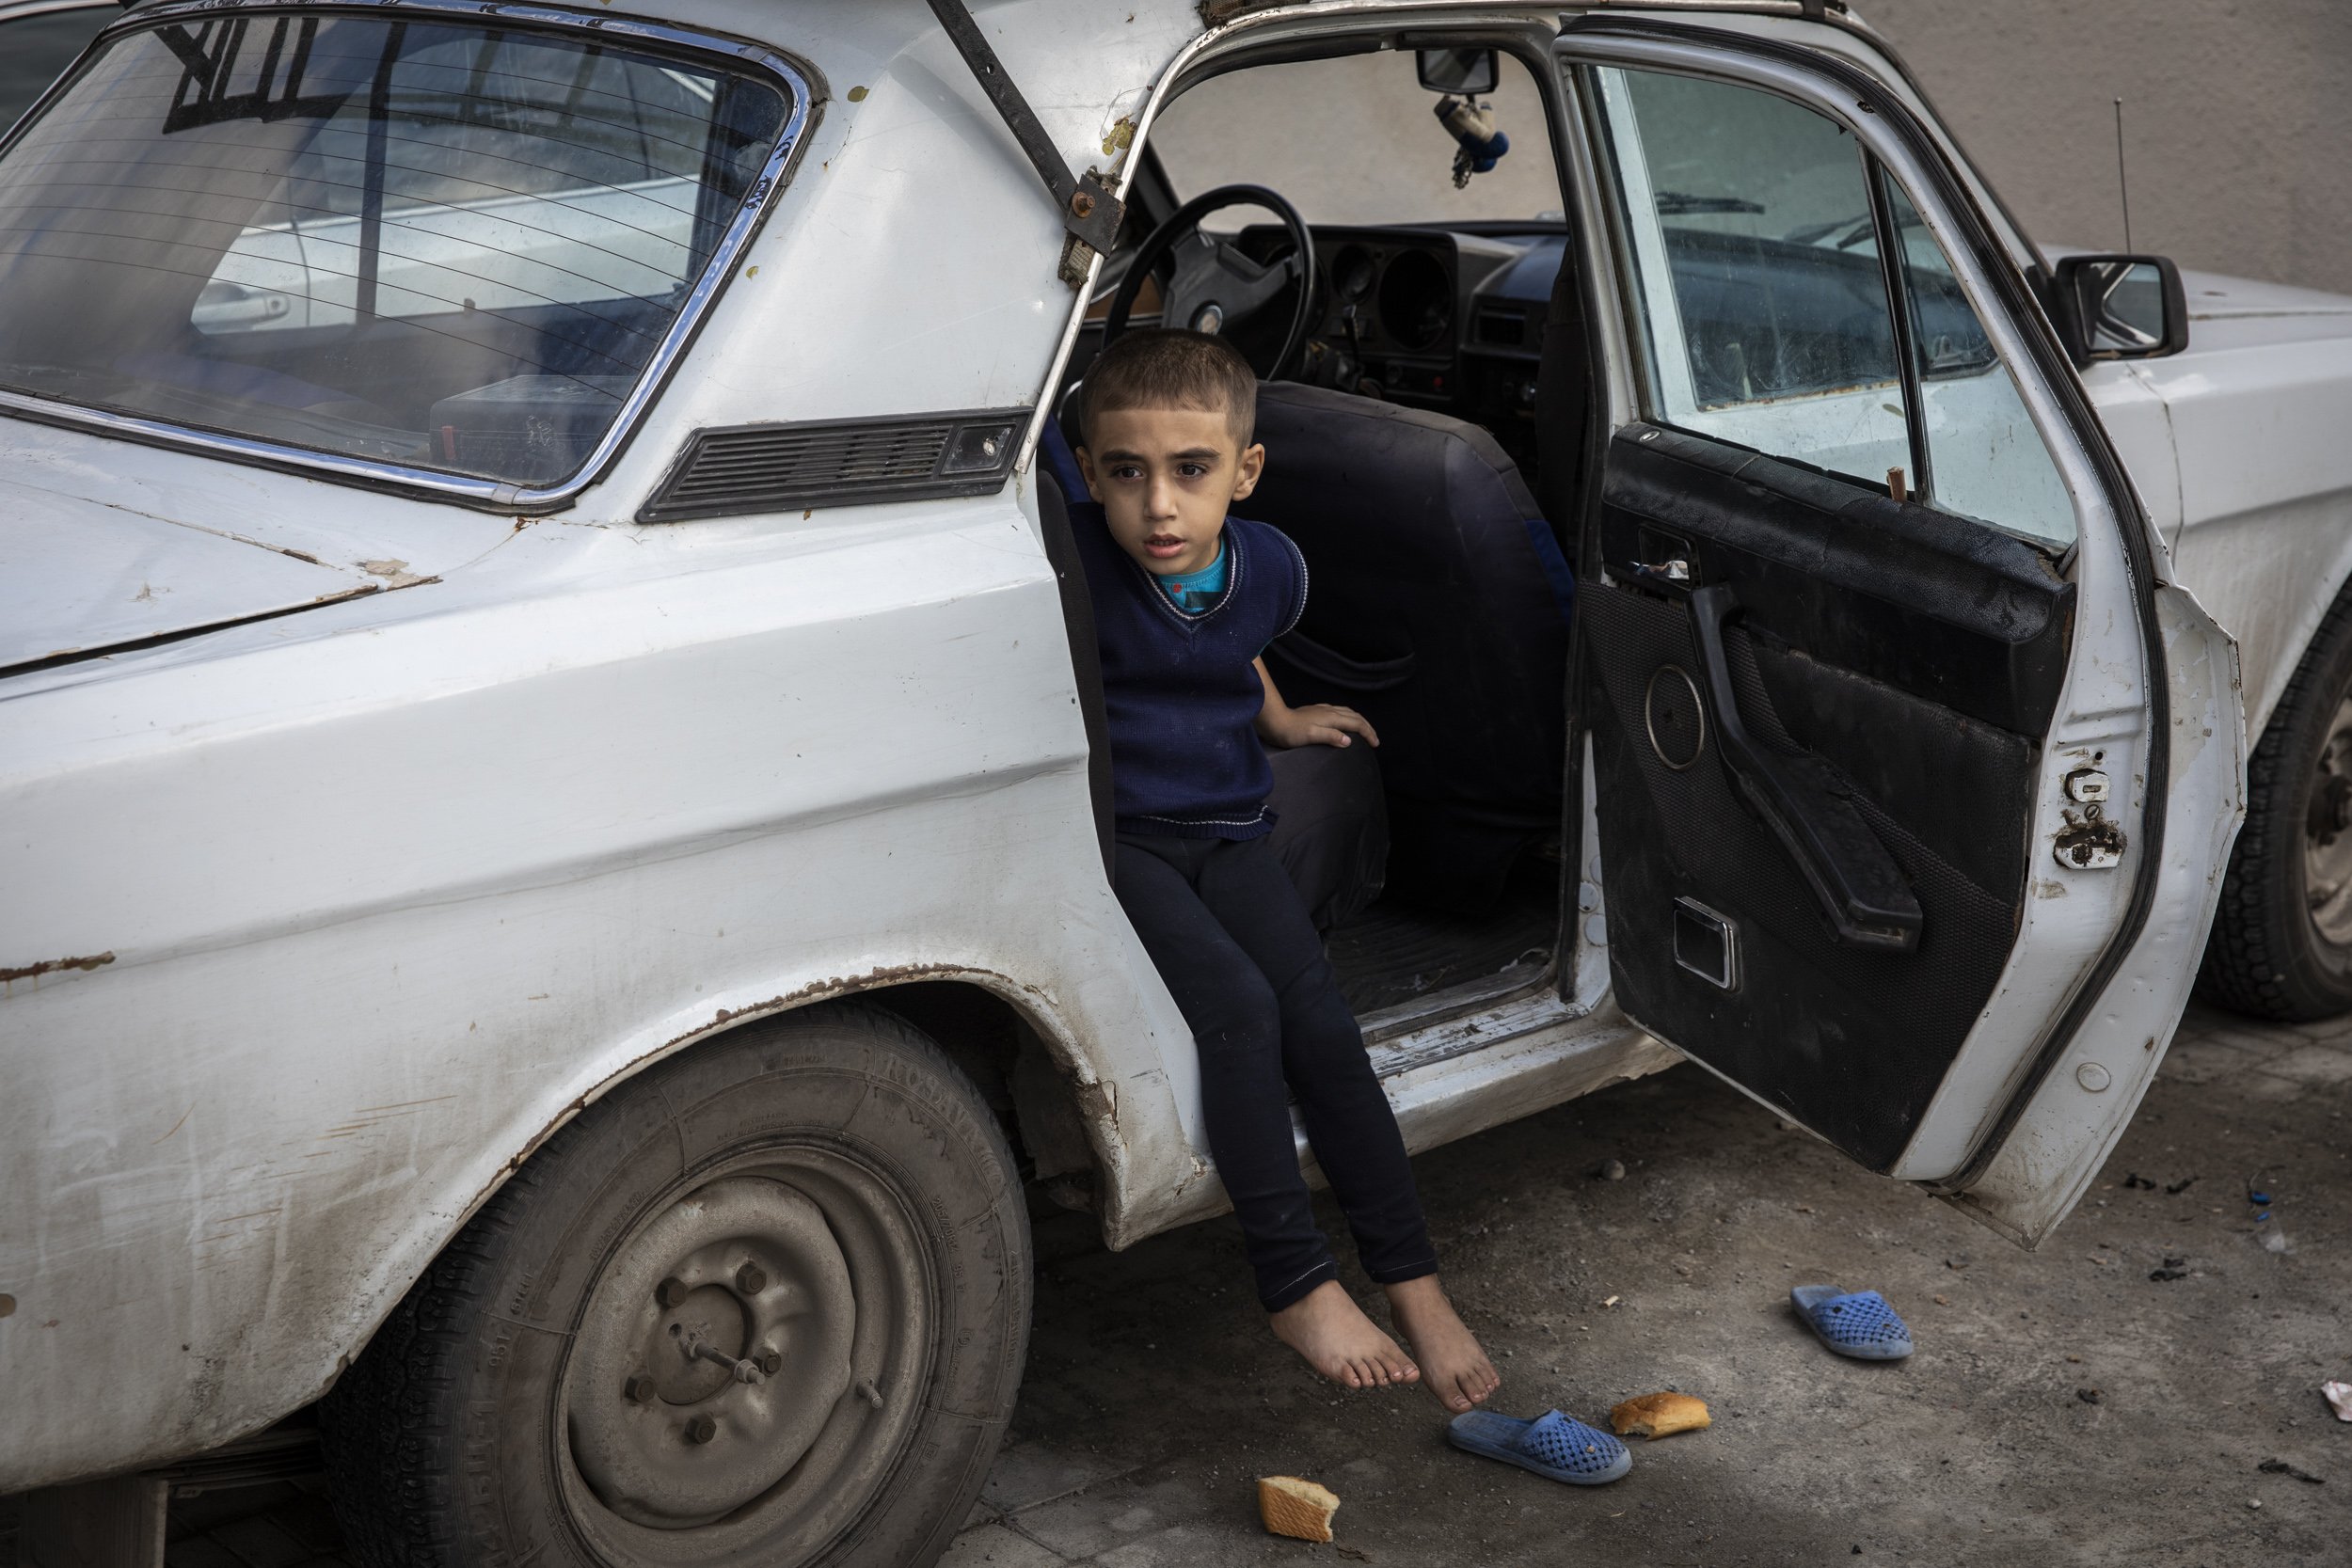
(36, 49)
(441, 244)
(1755, 272)
(1984, 457)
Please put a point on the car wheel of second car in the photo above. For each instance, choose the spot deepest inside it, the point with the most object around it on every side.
(2282, 943)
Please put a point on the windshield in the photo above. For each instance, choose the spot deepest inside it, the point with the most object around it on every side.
(1354, 140)
(437, 244)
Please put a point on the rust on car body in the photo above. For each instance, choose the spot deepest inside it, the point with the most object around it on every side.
(49, 966)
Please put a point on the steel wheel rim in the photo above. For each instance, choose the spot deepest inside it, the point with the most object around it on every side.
(857, 1410)
(716, 1343)
(2328, 834)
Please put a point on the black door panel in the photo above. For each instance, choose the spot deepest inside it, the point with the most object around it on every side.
(1938, 606)
(1870, 647)
(1852, 1040)
(1937, 779)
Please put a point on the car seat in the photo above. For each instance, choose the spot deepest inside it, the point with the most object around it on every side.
(1439, 606)
(1331, 827)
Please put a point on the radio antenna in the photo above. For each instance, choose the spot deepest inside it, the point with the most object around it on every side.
(2122, 180)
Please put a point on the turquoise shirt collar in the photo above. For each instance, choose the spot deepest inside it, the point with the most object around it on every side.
(1195, 592)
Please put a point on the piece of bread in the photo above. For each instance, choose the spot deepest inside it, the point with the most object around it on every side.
(1659, 1415)
(1295, 1508)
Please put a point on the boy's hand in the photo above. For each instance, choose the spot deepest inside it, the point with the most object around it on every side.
(1317, 725)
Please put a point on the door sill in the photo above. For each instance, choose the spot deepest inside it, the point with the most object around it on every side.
(1466, 1018)
(1440, 1007)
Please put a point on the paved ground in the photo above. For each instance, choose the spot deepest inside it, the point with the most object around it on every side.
(2064, 1408)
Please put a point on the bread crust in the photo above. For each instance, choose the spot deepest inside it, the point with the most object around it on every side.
(1299, 1508)
(1656, 1416)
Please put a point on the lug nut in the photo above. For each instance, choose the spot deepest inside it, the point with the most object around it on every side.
(702, 1429)
(751, 1279)
(771, 1362)
(639, 1389)
(671, 1291)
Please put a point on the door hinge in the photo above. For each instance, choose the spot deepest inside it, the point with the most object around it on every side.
(1089, 210)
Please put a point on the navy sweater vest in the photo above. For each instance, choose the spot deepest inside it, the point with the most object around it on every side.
(1179, 690)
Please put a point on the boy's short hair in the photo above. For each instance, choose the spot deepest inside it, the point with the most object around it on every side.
(1166, 368)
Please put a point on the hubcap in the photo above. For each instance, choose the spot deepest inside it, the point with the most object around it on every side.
(739, 1277)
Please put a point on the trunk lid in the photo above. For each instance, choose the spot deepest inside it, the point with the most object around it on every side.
(80, 578)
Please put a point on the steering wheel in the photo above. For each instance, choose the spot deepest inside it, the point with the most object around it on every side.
(1216, 287)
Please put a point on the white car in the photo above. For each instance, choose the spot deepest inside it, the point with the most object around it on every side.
(551, 803)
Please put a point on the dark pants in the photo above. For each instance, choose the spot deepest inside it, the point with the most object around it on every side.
(1233, 941)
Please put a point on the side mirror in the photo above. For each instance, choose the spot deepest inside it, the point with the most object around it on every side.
(2121, 307)
(1463, 72)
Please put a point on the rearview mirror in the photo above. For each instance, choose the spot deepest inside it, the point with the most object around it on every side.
(1464, 72)
(2121, 307)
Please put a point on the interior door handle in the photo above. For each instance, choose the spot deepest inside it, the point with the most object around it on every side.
(1806, 804)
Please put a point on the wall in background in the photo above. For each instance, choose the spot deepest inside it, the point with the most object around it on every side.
(2237, 120)
(2237, 125)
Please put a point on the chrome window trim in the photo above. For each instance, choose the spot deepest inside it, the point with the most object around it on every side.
(490, 495)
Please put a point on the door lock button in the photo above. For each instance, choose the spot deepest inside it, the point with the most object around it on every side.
(2086, 785)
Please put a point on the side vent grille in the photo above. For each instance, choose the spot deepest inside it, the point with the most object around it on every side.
(771, 468)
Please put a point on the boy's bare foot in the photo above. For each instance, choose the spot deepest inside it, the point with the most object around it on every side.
(1458, 1372)
(1327, 1328)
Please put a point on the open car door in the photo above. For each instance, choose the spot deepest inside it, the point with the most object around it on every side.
(1914, 781)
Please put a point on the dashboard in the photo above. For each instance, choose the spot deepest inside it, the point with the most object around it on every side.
(1450, 318)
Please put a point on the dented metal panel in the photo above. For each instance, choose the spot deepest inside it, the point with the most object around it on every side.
(2255, 409)
(377, 935)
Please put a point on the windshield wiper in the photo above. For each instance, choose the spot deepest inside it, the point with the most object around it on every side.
(1854, 231)
(1674, 204)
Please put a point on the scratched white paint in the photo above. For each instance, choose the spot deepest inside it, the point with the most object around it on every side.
(2258, 406)
(2048, 1161)
(385, 889)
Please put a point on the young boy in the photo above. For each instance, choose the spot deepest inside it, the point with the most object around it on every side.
(1185, 600)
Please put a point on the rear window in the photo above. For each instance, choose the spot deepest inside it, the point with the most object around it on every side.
(412, 237)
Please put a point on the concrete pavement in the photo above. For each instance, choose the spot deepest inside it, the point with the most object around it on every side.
(2062, 1404)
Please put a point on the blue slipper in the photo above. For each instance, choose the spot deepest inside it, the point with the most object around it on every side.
(1861, 1326)
(1551, 1445)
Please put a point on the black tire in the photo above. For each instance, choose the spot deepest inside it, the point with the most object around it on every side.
(837, 1144)
(2266, 957)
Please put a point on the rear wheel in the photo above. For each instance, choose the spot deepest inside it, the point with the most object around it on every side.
(2282, 943)
(766, 1303)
